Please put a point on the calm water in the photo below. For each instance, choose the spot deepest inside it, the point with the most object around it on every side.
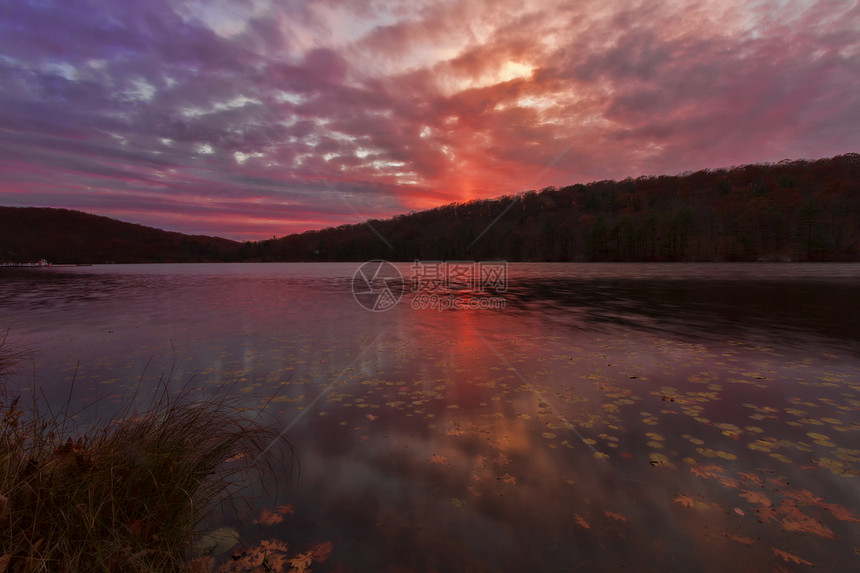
(610, 417)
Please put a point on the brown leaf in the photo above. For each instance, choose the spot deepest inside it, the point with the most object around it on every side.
(739, 539)
(437, 459)
(284, 509)
(615, 516)
(301, 563)
(322, 551)
(767, 514)
(269, 518)
(684, 500)
(756, 497)
(808, 525)
(707, 471)
(790, 557)
(274, 546)
(839, 512)
(581, 520)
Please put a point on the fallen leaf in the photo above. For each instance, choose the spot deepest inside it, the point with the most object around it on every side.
(581, 520)
(274, 546)
(706, 471)
(615, 516)
(767, 514)
(322, 551)
(790, 557)
(839, 512)
(684, 500)
(739, 539)
(269, 518)
(437, 459)
(808, 525)
(301, 563)
(756, 497)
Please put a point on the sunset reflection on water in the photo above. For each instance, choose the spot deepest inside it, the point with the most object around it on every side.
(603, 420)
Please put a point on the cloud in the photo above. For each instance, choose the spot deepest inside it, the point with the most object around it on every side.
(255, 118)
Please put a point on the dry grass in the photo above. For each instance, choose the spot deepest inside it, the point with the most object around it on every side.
(122, 496)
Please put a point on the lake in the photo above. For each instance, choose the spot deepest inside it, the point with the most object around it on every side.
(530, 417)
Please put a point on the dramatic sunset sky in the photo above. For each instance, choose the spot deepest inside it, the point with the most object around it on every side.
(252, 118)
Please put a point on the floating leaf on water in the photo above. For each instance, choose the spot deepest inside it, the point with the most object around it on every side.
(808, 525)
(790, 557)
(684, 500)
(739, 539)
(321, 551)
(707, 452)
(840, 513)
(268, 517)
(757, 497)
(657, 459)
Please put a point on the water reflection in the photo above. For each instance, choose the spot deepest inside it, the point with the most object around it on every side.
(609, 418)
(789, 309)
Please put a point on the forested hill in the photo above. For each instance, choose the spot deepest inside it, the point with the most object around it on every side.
(28, 234)
(791, 210)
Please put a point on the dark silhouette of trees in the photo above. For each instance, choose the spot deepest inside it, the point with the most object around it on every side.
(792, 210)
(28, 234)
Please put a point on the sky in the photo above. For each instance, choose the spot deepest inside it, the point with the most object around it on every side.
(249, 119)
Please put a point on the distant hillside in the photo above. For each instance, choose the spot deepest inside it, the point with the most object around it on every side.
(62, 236)
(792, 210)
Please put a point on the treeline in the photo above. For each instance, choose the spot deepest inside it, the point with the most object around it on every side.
(792, 210)
(28, 234)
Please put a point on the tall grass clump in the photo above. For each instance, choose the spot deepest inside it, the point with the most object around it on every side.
(126, 495)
